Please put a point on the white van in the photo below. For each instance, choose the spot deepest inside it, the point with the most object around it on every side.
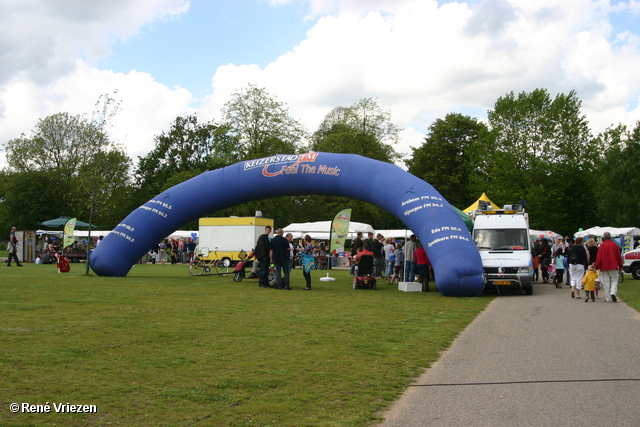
(502, 237)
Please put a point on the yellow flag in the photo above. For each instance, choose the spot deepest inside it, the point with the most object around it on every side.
(68, 232)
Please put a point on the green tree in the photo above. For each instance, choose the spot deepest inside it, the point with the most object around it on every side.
(186, 150)
(261, 124)
(30, 197)
(262, 127)
(542, 153)
(103, 178)
(617, 180)
(102, 189)
(445, 160)
(59, 144)
(364, 128)
(78, 155)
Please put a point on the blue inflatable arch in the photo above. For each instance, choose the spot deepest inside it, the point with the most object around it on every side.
(455, 259)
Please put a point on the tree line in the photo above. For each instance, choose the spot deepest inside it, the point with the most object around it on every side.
(533, 148)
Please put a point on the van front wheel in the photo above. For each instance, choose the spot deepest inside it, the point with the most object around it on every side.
(528, 291)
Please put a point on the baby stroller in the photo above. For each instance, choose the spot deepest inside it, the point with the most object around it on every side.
(364, 274)
(551, 269)
(246, 260)
(239, 269)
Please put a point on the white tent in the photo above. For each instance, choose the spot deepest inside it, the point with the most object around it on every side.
(178, 234)
(183, 234)
(551, 235)
(396, 234)
(322, 229)
(615, 231)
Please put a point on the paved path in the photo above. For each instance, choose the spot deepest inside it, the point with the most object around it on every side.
(540, 360)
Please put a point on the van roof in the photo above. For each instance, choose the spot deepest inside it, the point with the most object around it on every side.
(499, 220)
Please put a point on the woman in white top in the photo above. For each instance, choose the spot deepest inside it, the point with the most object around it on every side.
(389, 260)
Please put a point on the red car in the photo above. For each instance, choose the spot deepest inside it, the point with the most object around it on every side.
(632, 263)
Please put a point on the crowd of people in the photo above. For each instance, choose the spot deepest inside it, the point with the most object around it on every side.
(580, 265)
(393, 259)
(174, 251)
(48, 250)
(284, 254)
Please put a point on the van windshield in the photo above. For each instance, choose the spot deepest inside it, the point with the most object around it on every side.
(511, 239)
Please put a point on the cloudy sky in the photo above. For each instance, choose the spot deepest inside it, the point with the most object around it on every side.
(420, 59)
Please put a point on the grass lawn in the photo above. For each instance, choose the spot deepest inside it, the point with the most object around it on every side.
(629, 292)
(161, 347)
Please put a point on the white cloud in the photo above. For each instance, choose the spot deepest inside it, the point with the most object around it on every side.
(41, 39)
(146, 107)
(409, 138)
(41, 73)
(422, 60)
(632, 6)
(326, 7)
(417, 58)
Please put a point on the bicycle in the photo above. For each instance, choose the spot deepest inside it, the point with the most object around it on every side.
(201, 265)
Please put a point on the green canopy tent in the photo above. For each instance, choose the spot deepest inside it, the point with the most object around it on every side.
(60, 222)
(466, 218)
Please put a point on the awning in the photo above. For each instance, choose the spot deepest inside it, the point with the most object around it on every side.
(615, 231)
(322, 229)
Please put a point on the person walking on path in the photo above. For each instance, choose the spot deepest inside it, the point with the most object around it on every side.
(592, 251)
(570, 242)
(545, 258)
(577, 265)
(609, 264)
(12, 248)
(559, 261)
(589, 283)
